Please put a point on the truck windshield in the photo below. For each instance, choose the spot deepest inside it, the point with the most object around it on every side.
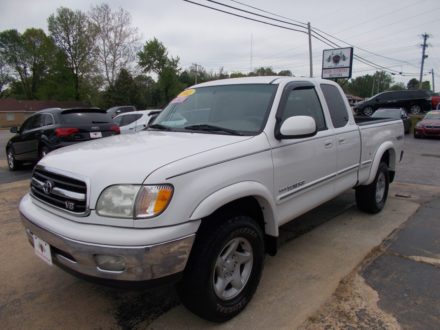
(228, 109)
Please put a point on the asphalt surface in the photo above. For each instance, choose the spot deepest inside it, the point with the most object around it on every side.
(407, 274)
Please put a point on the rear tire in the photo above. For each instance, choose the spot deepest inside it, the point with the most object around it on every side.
(13, 164)
(415, 109)
(224, 268)
(372, 198)
(368, 111)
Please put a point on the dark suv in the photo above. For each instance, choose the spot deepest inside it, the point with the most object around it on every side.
(413, 101)
(54, 128)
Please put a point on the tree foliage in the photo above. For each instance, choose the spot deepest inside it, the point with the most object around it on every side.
(73, 32)
(116, 40)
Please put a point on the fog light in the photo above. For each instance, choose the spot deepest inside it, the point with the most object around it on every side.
(110, 263)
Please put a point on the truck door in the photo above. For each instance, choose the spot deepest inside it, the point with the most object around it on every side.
(347, 139)
(303, 167)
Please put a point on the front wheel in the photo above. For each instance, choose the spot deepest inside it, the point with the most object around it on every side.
(372, 198)
(224, 269)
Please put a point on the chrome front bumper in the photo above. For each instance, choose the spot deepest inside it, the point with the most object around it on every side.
(140, 263)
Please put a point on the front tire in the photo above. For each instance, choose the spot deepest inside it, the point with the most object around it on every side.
(372, 198)
(224, 268)
(43, 152)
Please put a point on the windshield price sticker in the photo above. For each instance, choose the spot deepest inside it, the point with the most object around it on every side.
(183, 96)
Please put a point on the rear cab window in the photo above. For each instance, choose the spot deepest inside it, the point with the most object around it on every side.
(336, 105)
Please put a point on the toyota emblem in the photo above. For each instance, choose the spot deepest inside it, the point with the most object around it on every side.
(47, 187)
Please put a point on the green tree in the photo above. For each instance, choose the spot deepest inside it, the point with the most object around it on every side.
(397, 87)
(368, 85)
(263, 71)
(286, 73)
(154, 58)
(28, 55)
(74, 34)
(116, 40)
(413, 84)
(5, 77)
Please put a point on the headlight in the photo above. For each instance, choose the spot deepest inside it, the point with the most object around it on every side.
(134, 201)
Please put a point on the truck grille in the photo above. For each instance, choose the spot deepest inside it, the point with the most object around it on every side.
(61, 191)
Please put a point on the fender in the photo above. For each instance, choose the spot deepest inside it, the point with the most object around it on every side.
(387, 146)
(236, 191)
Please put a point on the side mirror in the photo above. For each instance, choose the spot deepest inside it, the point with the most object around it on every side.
(297, 127)
(14, 130)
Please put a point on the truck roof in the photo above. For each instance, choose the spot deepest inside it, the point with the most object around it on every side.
(258, 80)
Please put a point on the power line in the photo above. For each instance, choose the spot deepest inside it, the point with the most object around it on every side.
(316, 29)
(241, 16)
(315, 34)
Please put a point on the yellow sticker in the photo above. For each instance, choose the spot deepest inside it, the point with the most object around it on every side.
(187, 92)
(183, 96)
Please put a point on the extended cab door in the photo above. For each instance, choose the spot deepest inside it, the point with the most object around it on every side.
(303, 167)
(347, 138)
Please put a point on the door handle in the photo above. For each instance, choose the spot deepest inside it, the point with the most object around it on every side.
(341, 141)
(328, 145)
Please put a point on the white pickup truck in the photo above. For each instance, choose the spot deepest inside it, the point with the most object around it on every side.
(200, 195)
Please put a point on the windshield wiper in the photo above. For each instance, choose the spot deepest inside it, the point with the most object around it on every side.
(160, 126)
(212, 128)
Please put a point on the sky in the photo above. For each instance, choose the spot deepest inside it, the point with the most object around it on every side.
(386, 33)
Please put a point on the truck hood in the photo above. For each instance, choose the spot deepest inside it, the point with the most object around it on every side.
(130, 158)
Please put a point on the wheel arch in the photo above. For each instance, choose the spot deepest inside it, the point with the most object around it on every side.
(251, 197)
(386, 153)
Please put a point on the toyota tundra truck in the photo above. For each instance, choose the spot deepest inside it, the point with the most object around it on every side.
(199, 196)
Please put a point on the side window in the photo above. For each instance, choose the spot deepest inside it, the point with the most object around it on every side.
(27, 125)
(304, 102)
(336, 105)
(38, 121)
(47, 120)
(128, 119)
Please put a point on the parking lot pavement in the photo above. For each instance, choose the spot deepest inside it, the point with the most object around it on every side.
(295, 283)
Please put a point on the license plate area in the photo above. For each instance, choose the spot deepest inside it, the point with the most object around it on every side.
(42, 250)
(95, 135)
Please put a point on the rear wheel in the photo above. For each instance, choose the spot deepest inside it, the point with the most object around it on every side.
(368, 111)
(13, 164)
(224, 268)
(415, 109)
(372, 198)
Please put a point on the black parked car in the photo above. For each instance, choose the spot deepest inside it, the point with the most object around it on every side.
(394, 114)
(413, 101)
(54, 128)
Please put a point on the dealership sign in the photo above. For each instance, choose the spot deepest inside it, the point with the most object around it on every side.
(337, 63)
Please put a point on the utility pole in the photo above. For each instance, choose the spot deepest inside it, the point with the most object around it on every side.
(196, 66)
(425, 37)
(252, 54)
(309, 28)
(433, 83)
